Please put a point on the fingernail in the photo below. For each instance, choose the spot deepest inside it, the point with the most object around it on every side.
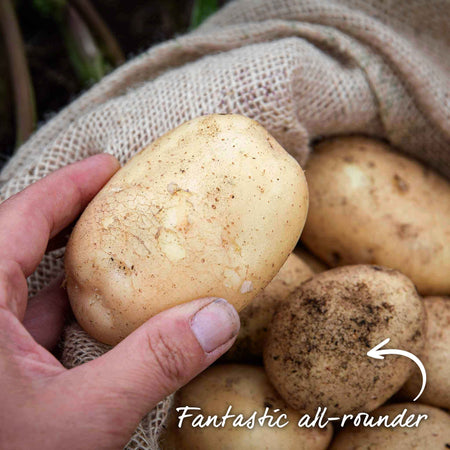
(215, 324)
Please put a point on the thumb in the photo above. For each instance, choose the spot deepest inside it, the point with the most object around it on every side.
(159, 357)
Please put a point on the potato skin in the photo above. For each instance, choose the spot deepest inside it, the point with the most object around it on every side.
(256, 317)
(315, 264)
(433, 433)
(384, 209)
(435, 356)
(212, 208)
(246, 389)
(316, 349)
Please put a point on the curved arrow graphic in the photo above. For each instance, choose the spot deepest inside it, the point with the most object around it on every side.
(378, 354)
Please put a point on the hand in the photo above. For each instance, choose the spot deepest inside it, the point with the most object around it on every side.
(99, 404)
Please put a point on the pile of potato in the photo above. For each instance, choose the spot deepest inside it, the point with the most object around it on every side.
(225, 206)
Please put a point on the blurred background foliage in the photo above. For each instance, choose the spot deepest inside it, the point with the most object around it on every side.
(52, 50)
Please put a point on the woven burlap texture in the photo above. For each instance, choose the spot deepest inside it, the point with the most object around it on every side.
(304, 69)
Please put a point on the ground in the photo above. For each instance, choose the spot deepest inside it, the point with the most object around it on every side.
(136, 27)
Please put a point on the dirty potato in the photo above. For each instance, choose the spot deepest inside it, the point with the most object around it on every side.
(370, 205)
(212, 208)
(316, 348)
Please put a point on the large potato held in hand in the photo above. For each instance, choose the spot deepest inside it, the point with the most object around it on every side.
(316, 349)
(370, 205)
(212, 208)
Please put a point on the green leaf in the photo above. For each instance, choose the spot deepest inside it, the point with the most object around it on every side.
(201, 10)
(50, 8)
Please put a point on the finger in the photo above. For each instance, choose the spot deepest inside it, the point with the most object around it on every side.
(13, 288)
(46, 312)
(158, 358)
(31, 217)
(17, 347)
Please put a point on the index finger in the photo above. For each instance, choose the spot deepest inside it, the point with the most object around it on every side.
(33, 216)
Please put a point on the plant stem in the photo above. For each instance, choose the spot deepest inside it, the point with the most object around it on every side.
(82, 49)
(20, 77)
(100, 30)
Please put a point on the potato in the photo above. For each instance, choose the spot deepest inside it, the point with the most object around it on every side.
(310, 260)
(435, 356)
(212, 208)
(371, 205)
(247, 390)
(430, 434)
(316, 348)
(256, 317)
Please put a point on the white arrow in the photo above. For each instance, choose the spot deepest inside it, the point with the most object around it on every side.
(378, 354)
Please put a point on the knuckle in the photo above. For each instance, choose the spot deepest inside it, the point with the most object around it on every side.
(173, 364)
(9, 270)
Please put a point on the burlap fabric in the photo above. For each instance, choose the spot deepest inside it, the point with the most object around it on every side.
(305, 69)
